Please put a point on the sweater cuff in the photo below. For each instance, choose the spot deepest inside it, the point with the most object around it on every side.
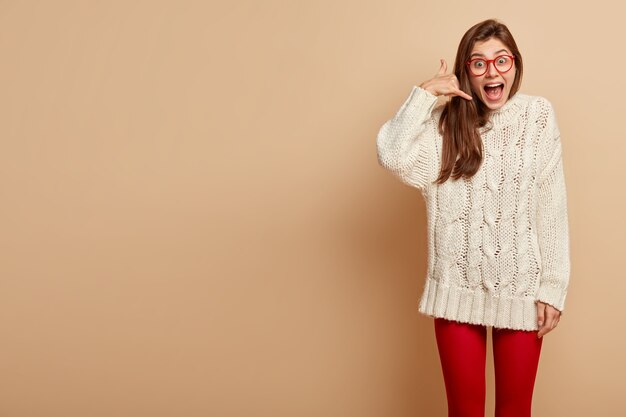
(552, 295)
(404, 142)
(421, 102)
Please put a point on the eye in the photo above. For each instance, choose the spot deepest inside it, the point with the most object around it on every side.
(479, 63)
(502, 59)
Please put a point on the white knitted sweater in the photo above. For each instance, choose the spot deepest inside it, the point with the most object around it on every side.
(499, 241)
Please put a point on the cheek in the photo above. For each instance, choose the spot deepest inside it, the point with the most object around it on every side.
(511, 77)
(509, 82)
(475, 86)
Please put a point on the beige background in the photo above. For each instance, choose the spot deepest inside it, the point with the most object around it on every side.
(194, 222)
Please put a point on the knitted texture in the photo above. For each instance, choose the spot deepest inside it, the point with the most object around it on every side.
(499, 241)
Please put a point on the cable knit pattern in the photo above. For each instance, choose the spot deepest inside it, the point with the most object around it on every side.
(499, 241)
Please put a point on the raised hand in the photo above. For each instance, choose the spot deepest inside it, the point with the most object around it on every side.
(444, 84)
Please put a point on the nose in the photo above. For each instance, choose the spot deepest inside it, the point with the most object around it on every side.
(491, 69)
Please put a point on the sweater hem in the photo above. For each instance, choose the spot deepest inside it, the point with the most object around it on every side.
(478, 306)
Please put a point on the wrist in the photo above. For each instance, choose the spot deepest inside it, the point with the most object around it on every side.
(427, 87)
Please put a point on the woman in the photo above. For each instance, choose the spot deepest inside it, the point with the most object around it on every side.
(489, 165)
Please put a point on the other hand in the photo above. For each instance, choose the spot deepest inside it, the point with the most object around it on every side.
(547, 318)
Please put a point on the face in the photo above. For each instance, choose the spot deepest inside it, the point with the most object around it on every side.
(492, 98)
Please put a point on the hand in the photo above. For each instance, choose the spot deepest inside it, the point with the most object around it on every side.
(446, 84)
(547, 318)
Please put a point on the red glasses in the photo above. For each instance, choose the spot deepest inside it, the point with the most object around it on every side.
(479, 66)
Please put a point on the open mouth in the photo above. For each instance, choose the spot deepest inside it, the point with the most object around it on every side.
(494, 91)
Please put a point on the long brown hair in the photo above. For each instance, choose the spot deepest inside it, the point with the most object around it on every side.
(461, 119)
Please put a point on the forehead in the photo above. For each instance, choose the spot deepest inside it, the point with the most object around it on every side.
(489, 48)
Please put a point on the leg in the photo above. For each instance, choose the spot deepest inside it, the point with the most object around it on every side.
(462, 352)
(516, 359)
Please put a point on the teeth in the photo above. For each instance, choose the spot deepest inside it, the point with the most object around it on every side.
(493, 85)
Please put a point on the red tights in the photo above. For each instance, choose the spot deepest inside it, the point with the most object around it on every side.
(463, 350)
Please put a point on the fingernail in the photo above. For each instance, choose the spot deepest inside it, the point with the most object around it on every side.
(540, 323)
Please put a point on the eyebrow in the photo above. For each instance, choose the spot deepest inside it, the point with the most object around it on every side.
(479, 54)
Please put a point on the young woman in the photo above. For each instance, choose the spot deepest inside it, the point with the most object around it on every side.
(489, 165)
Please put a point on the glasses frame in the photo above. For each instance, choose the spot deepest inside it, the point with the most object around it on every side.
(489, 61)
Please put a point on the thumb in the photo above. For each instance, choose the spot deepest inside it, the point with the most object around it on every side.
(443, 68)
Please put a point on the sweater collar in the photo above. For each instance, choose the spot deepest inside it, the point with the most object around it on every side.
(508, 110)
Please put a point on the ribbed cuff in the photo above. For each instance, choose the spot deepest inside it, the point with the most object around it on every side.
(553, 296)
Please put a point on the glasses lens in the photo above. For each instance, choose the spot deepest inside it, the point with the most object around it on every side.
(503, 63)
(478, 66)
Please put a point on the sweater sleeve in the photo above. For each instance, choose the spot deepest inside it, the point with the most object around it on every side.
(552, 218)
(402, 143)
